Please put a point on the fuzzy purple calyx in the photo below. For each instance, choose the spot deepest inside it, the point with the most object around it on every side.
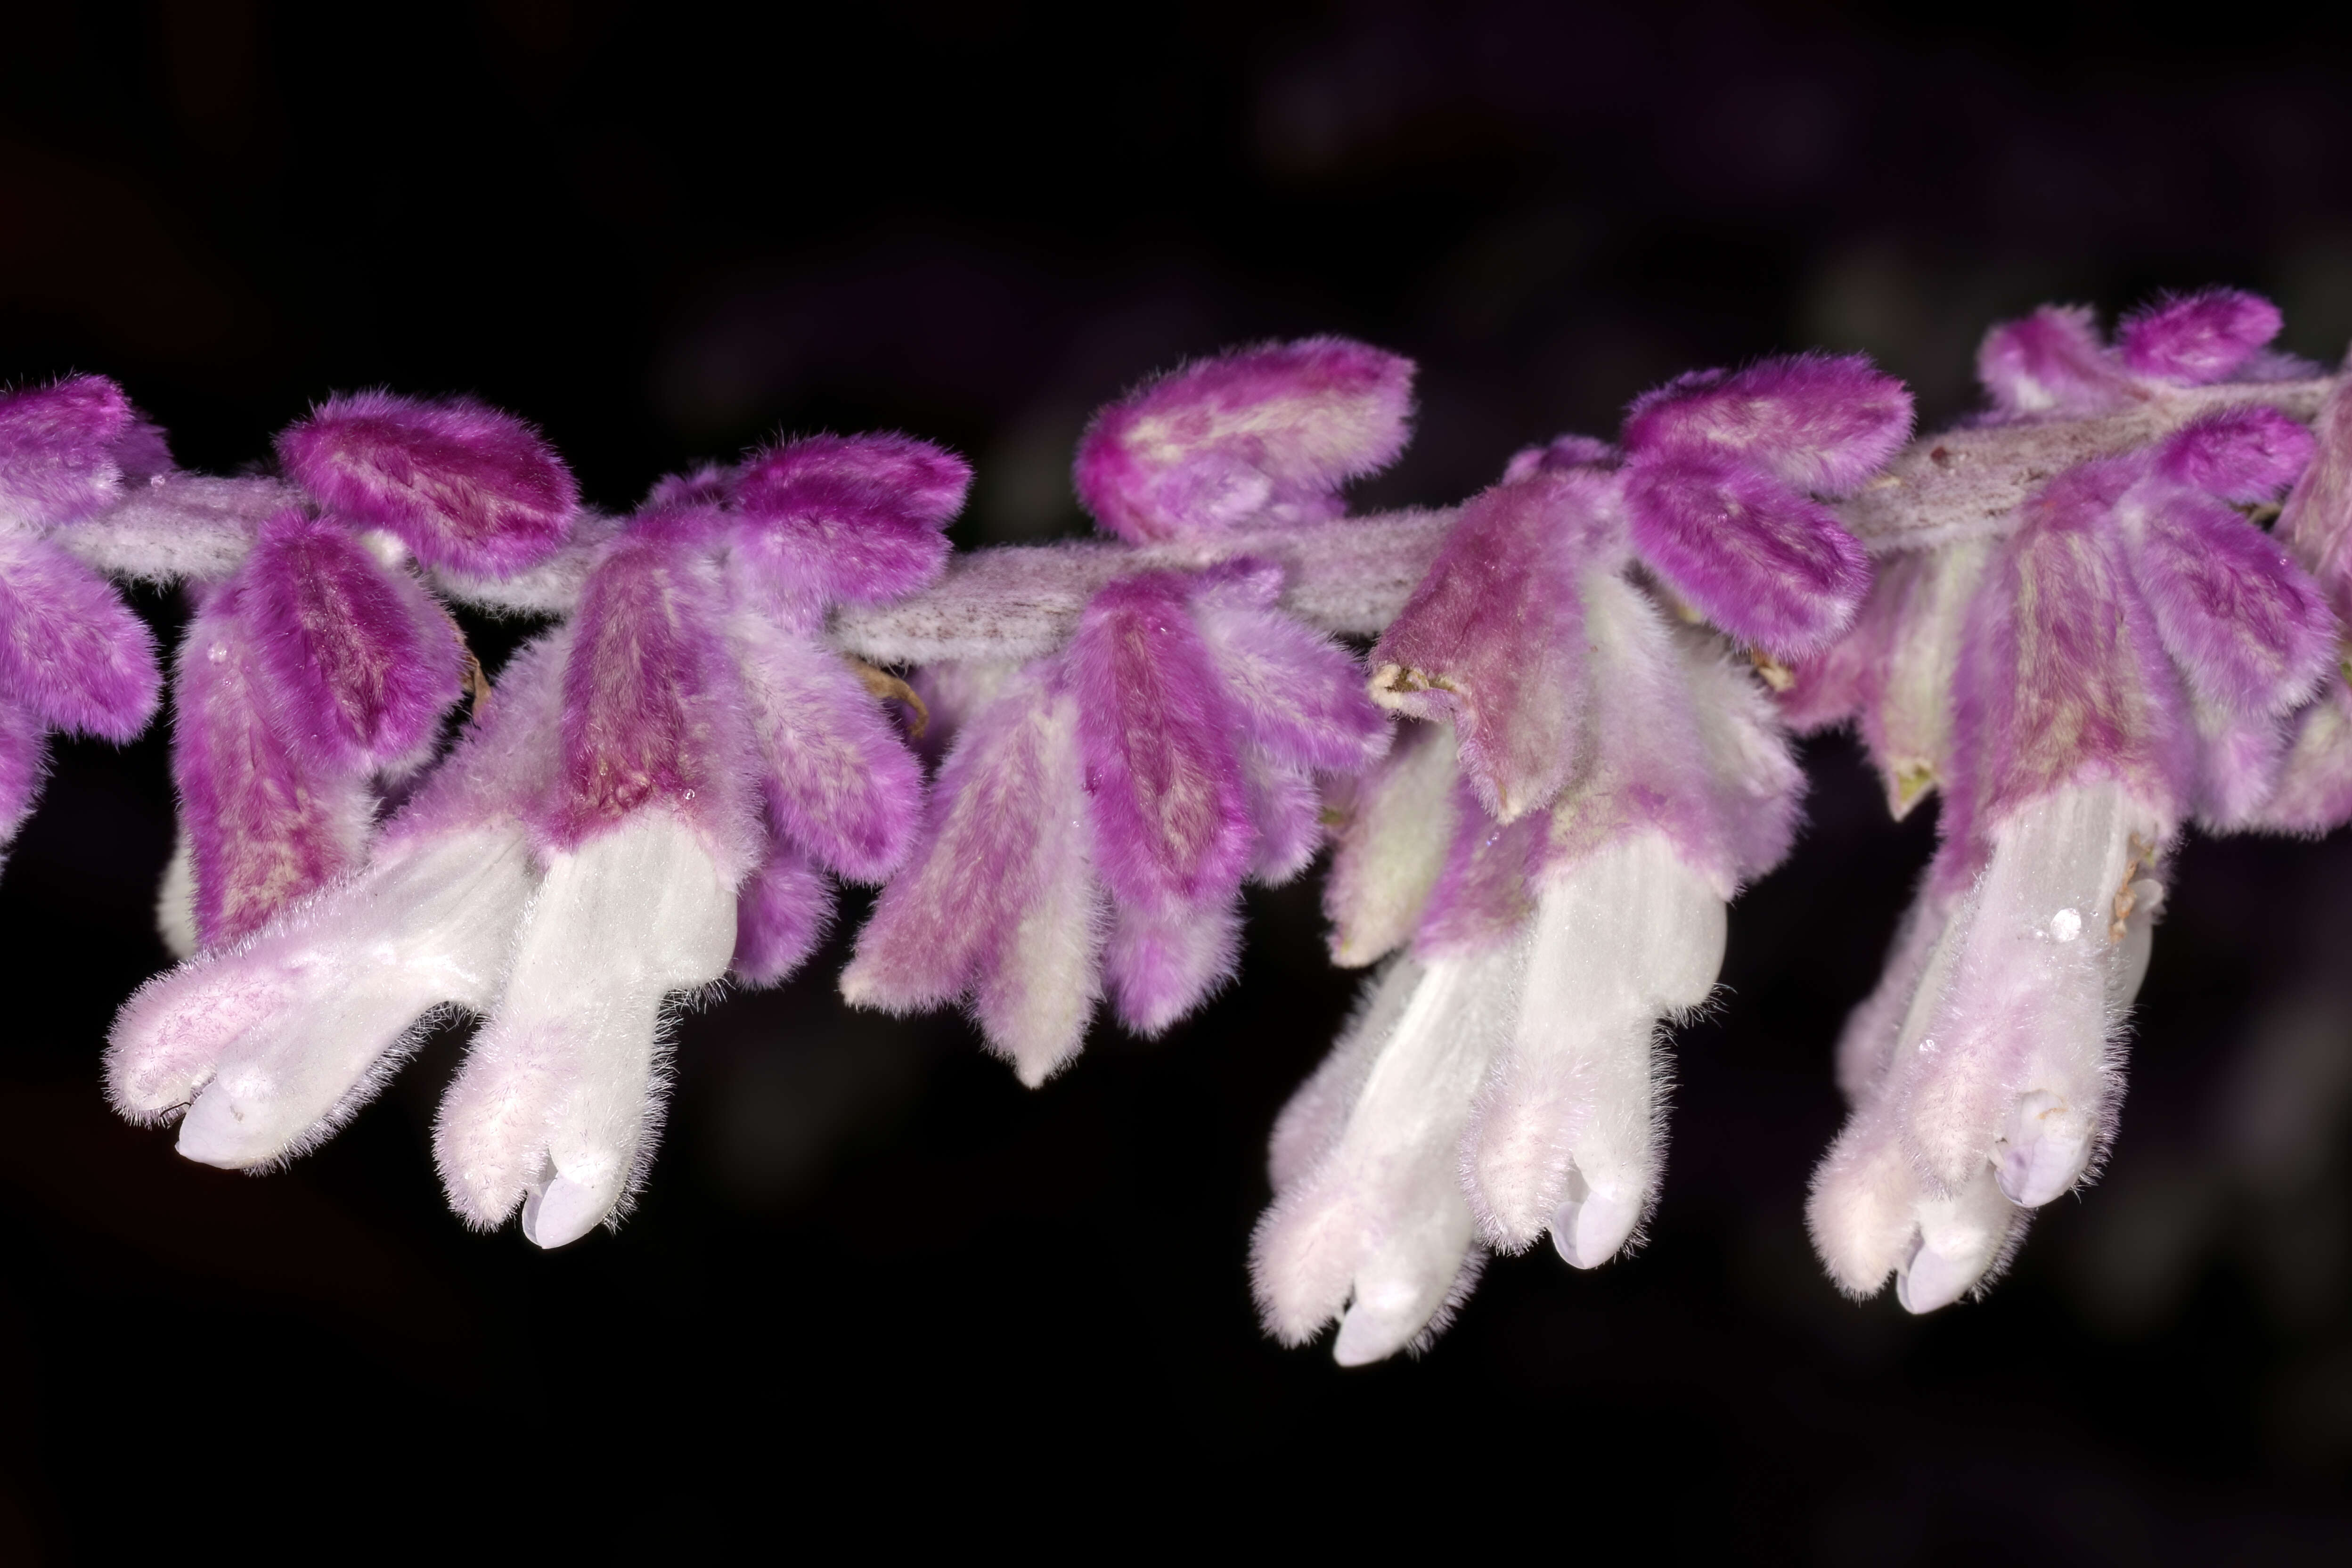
(1165, 792)
(857, 520)
(2198, 339)
(58, 462)
(1262, 434)
(1821, 423)
(364, 663)
(1763, 563)
(466, 487)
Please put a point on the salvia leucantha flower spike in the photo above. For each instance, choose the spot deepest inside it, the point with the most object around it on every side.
(2075, 636)
(2082, 642)
(652, 798)
(1595, 776)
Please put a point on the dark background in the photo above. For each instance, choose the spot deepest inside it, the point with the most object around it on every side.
(876, 1286)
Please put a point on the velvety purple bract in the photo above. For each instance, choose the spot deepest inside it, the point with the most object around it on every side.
(1766, 564)
(2198, 339)
(24, 756)
(2250, 631)
(56, 458)
(2315, 524)
(71, 652)
(361, 661)
(2051, 362)
(639, 687)
(780, 919)
(2063, 683)
(1268, 433)
(852, 519)
(266, 825)
(2239, 454)
(1164, 787)
(1492, 637)
(464, 486)
(1821, 423)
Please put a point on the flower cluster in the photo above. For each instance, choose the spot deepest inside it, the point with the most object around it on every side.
(1101, 807)
(1595, 777)
(651, 798)
(1568, 750)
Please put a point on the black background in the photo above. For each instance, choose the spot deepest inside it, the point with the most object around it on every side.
(875, 1285)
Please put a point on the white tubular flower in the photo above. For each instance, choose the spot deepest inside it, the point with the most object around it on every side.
(559, 1103)
(1986, 1071)
(1570, 1133)
(1374, 1227)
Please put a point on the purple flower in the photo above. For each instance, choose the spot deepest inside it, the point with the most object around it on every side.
(2080, 644)
(1101, 805)
(1555, 848)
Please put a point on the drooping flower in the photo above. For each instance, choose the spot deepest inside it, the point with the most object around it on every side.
(320, 666)
(1101, 805)
(1595, 777)
(653, 798)
(73, 656)
(2080, 644)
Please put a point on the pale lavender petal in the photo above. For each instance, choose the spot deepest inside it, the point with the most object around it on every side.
(1821, 423)
(1299, 695)
(1752, 789)
(1567, 1135)
(2198, 337)
(1748, 552)
(2240, 756)
(1266, 434)
(1396, 826)
(1492, 641)
(70, 650)
(24, 760)
(464, 486)
(2314, 790)
(1039, 976)
(1011, 788)
(1285, 810)
(1487, 891)
(508, 758)
(1164, 959)
(780, 917)
(839, 782)
(2016, 1067)
(1560, 454)
(2316, 524)
(1164, 787)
